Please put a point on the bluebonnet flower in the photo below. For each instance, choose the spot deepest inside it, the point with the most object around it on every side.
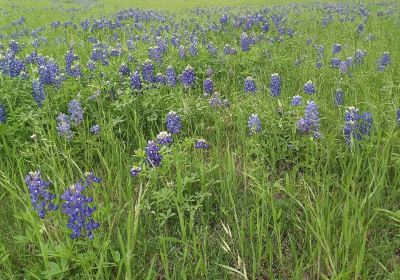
(71, 66)
(224, 19)
(275, 85)
(359, 56)
(3, 114)
(38, 92)
(309, 41)
(228, 50)
(339, 97)
(48, 71)
(64, 126)
(250, 85)
(124, 69)
(383, 61)
(216, 102)
(91, 65)
(75, 112)
(212, 49)
(182, 52)
(188, 76)
(336, 48)
(356, 125)
(164, 138)
(265, 26)
(318, 65)
(254, 124)
(173, 122)
(310, 122)
(14, 46)
(160, 78)
(208, 86)
(360, 28)
(41, 198)
(135, 170)
(135, 82)
(11, 65)
(296, 100)
(201, 144)
(95, 129)
(155, 53)
(309, 87)
(335, 62)
(245, 42)
(79, 213)
(153, 156)
(170, 76)
(193, 48)
(148, 71)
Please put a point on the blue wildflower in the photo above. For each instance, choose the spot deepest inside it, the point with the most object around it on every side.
(38, 92)
(135, 82)
(135, 170)
(3, 114)
(95, 129)
(254, 124)
(153, 156)
(208, 86)
(75, 112)
(275, 85)
(309, 87)
(79, 213)
(356, 125)
(296, 100)
(336, 48)
(339, 97)
(164, 138)
(188, 76)
(173, 122)
(245, 42)
(170, 76)
(201, 144)
(41, 198)
(310, 122)
(64, 126)
(250, 85)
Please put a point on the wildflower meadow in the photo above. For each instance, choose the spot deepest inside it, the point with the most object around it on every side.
(199, 139)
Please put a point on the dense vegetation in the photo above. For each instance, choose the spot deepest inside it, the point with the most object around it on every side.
(172, 141)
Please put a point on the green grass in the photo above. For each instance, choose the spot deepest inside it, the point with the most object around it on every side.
(275, 205)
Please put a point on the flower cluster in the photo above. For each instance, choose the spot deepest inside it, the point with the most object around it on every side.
(173, 122)
(164, 138)
(356, 125)
(135, 81)
(75, 112)
(275, 85)
(310, 122)
(250, 85)
(296, 100)
(76, 207)
(188, 76)
(254, 124)
(41, 198)
(309, 88)
(208, 86)
(201, 144)
(64, 126)
(3, 114)
(383, 61)
(153, 156)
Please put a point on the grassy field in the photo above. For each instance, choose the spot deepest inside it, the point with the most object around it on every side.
(299, 191)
